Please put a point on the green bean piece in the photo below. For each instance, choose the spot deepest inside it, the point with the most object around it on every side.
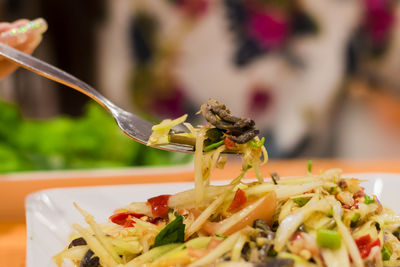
(368, 200)
(355, 219)
(213, 146)
(328, 239)
(181, 139)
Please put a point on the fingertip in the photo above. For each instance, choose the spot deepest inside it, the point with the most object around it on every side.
(34, 28)
(42, 25)
(24, 32)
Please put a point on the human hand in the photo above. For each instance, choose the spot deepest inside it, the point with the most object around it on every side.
(23, 35)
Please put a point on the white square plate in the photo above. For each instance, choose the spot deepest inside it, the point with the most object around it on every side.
(50, 213)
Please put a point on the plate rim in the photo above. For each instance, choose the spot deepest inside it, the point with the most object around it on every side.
(31, 198)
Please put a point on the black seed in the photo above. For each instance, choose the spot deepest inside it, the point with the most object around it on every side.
(226, 257)
(77, 242)
(275, 177)
(261, 224)
(396, 233)
(89, 261)
(378, 226)
(246, 251)
(275, 226)
(301, 228)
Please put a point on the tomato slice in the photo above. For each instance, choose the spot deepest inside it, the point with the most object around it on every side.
(159, 205)
(365, 245)
(238, 200)
(124, 218)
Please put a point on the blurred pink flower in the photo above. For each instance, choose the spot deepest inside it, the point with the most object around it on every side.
(379, 19)
(269, 28)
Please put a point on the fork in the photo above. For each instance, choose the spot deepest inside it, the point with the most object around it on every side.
(132, 125)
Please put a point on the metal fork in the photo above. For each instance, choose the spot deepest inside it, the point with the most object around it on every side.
(132, 125)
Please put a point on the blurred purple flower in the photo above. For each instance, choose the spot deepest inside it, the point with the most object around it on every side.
(379, 19)
(260, 100)
(170, 105)
(269, 28)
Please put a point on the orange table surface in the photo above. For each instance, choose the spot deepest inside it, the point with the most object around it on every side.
(13, 228)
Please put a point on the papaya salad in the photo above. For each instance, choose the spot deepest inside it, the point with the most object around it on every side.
(312, 220)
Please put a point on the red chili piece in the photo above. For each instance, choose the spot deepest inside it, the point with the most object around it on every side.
(159, 205)
(296, 236)
(342, 184)
(155, 220)
(355, 205)
(359, 193)
(124, 218)
(238, 200)
(229, 144)
(365, 245)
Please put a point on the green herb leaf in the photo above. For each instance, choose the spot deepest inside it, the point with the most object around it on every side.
(301, 201)
(355, 219)
(221, 236)
(330, 213)
(385, 254)
(214, 134)
(272, 253)
(309, 165)
(328, 239)
(368, 200)
(275, 226)
(333, 190)
(248, 167)
(174, 232)
(257, 144)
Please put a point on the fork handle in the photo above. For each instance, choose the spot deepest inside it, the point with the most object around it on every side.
(53, 73)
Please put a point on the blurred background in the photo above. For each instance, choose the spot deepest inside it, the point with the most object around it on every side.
(320, 77)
